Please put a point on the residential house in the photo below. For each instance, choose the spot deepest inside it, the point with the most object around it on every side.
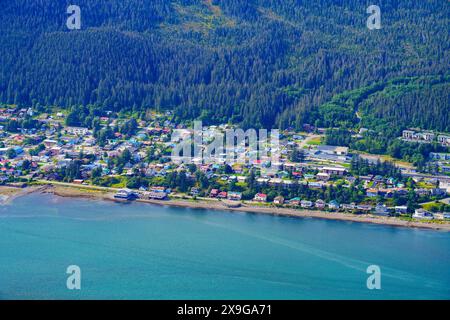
(294, 201)
(124, 194)
(401, 209)
(438, 192)
(77, 131)
(333, 150)
(222, 195)
(364, 208)
(348, 207)
(440, 156)
(372, 193)
(315, 185)
(214, 193)
(422, 192)
(444, 140)
(156, 195)
(260, 197)
(234, 196)
(320, 204)
(306, 204)
(381, 210)
(411, 135)
(333, 205)
(337, 171)
(423, 214)
(195, 191)
(278, 200)
(322, 176)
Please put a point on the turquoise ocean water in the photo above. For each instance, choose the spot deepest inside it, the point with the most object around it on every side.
(141, 251)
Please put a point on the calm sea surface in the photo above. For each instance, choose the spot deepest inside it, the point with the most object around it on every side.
(141, 251)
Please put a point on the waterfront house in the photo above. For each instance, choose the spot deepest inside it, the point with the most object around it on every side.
(320, 204)
(381, 210)
(333, 205)
(156, 195)
(401, 209)
(157, 189)
(214, 193)
(441, 215)
(348, 207)
(234, 196)
(222, 195)
(124, 194)
(294, 201)
(364, 208)
(423, 214)
(278, 200)
(306, 204)
(195, 191)
(260, 197)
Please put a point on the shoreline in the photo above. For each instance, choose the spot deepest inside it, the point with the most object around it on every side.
(8, 194)
(94, 193)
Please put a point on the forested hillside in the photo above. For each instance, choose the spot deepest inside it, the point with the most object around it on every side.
(253, 62)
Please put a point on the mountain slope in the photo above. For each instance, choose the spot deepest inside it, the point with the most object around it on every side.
(253, 62)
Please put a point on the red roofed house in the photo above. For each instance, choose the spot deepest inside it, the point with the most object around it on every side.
(260, 197)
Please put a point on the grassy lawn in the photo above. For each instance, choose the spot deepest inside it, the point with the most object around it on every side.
(120, 182)
(435, 207)
(314, 141)
(424, 185)
(384, 157)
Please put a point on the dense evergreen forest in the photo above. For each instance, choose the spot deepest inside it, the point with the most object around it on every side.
(264, 63)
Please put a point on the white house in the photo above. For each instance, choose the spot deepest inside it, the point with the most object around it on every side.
(260, 197)
(445, 185)
(334, 171)
(401, 209)
(422, 214)
(79, 131)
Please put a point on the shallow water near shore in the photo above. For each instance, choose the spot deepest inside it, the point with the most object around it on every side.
(142, 251)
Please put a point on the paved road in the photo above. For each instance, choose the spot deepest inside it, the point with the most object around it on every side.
(83, 186)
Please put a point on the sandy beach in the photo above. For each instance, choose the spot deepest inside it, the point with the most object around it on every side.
(302, 213)
(101, 193)
(8, 194)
